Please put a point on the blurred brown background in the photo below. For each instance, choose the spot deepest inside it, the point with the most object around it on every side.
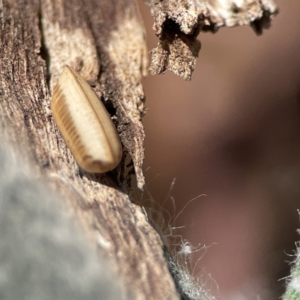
(232, 133)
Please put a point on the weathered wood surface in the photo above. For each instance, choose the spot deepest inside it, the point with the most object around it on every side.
(104, 42)
(177, 23)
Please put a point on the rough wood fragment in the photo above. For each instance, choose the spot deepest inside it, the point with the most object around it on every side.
(177, 23)
(104, 41)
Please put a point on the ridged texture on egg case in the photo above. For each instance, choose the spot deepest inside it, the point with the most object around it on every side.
(85, 124)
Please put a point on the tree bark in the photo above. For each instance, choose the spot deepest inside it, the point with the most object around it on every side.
(105, 42)
(177, 23)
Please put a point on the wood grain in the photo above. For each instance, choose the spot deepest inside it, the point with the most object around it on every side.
(104, 42)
